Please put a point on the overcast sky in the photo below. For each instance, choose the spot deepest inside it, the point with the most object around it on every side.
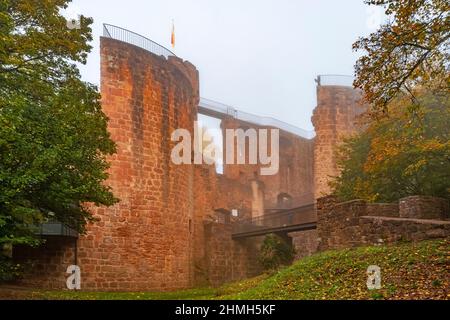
(260, 56)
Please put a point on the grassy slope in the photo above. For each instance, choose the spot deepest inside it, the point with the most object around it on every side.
(409, 271)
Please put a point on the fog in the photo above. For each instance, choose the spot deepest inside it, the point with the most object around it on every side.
(260, 56)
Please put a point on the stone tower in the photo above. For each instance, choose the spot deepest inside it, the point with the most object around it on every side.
(144, 242)
(338, 105)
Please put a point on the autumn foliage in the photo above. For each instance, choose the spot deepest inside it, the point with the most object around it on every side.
(410, 50)
(399, 155)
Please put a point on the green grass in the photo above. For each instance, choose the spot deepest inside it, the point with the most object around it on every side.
(193, 294)
(408, 271)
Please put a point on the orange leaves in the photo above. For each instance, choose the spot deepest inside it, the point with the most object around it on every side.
(403, 153)
(407, 52)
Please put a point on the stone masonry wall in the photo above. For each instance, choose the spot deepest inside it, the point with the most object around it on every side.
(295, 175)
(356, 223)
(382, 209)
(305, 243)
(217, 193)
(205, 182)
(227, 259)
(421, 207)
(46, 265)
(334, 118)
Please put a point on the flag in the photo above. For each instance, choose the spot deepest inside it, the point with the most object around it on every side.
(172, 40)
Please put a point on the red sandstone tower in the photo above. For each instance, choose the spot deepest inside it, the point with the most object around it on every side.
(145, 241)
(338, 105)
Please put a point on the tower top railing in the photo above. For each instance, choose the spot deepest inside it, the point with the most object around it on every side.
(335, 80)
(124, 35)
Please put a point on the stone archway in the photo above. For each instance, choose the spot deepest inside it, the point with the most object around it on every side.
(284, 201)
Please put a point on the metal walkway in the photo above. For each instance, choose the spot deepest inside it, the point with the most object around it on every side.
(284, 221)
(219, 110)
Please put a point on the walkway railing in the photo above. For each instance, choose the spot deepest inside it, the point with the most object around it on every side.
(124, 35)
(335, 80)
(55, 228)
(214, 107)
(302, 218)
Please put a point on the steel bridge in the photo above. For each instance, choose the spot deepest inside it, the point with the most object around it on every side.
(280, 222)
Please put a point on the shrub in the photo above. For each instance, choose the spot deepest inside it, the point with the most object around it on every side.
(9, 271)
(275, 252)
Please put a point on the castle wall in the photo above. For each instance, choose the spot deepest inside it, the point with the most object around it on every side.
(218, 258)
(305, 243)
(295, 176)
(357, 223)
(424, 207)
(205, 182)
(46, 265)
(229, 260)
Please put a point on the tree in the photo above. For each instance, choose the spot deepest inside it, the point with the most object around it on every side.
(410, 51)
(399, 155)
(53, 133)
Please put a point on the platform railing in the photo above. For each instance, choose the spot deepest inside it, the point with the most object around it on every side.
(124, 35)
(335, 80)
(54, 228)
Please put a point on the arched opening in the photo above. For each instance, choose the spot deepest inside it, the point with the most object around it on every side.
(222, 216)
(284, 201)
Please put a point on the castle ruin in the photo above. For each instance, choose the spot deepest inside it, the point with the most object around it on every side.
(173, 227)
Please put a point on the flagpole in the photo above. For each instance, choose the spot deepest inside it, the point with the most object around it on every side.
(172, 40)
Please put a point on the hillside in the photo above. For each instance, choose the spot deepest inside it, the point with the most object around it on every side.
(408, 271)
